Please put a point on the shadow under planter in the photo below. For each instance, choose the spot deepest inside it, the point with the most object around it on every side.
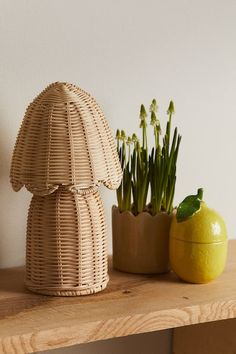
(140, 243)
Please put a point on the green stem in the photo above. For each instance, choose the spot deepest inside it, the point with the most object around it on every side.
(124, 153)
(200, 193)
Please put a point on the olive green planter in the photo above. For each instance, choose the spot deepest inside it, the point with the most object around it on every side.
(140, 243)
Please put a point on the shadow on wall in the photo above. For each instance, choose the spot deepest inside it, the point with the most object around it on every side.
(108, 199)
(13, 207)
(4, 165)
(147, 343)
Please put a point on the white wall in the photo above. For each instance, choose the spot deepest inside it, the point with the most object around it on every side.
(125, 52)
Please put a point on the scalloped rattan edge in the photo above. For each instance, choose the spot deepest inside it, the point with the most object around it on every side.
(51, 189)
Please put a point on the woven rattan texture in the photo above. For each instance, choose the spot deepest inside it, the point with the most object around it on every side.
(64, 140)
(66, 244)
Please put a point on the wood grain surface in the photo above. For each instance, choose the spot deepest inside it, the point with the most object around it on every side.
(131, 304)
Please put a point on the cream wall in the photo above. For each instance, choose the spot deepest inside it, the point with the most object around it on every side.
(125, 52)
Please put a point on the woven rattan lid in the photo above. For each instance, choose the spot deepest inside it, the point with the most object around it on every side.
(64, 140)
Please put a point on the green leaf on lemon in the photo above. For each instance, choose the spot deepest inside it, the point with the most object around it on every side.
(189, 206)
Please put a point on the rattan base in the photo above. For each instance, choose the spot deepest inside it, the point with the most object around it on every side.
(66, 248)
(69, 292)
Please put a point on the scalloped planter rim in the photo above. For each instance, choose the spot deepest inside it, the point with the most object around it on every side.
(140, 243)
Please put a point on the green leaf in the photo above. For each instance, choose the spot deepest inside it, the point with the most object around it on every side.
(189, 206)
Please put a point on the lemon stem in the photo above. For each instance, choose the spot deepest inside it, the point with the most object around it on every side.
(200, 193)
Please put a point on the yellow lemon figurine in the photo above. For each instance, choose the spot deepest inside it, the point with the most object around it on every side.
(198, 241)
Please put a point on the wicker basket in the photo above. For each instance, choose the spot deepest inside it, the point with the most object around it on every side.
(64, 151)
(66, 244)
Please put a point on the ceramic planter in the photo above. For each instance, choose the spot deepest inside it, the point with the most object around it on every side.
(140, 243)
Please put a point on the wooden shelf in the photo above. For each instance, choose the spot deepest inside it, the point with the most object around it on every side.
(131, 304)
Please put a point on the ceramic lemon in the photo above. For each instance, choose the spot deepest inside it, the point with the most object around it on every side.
(198, 241)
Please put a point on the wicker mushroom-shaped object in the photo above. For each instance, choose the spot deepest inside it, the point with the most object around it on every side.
(63, 152)
(64, 140)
